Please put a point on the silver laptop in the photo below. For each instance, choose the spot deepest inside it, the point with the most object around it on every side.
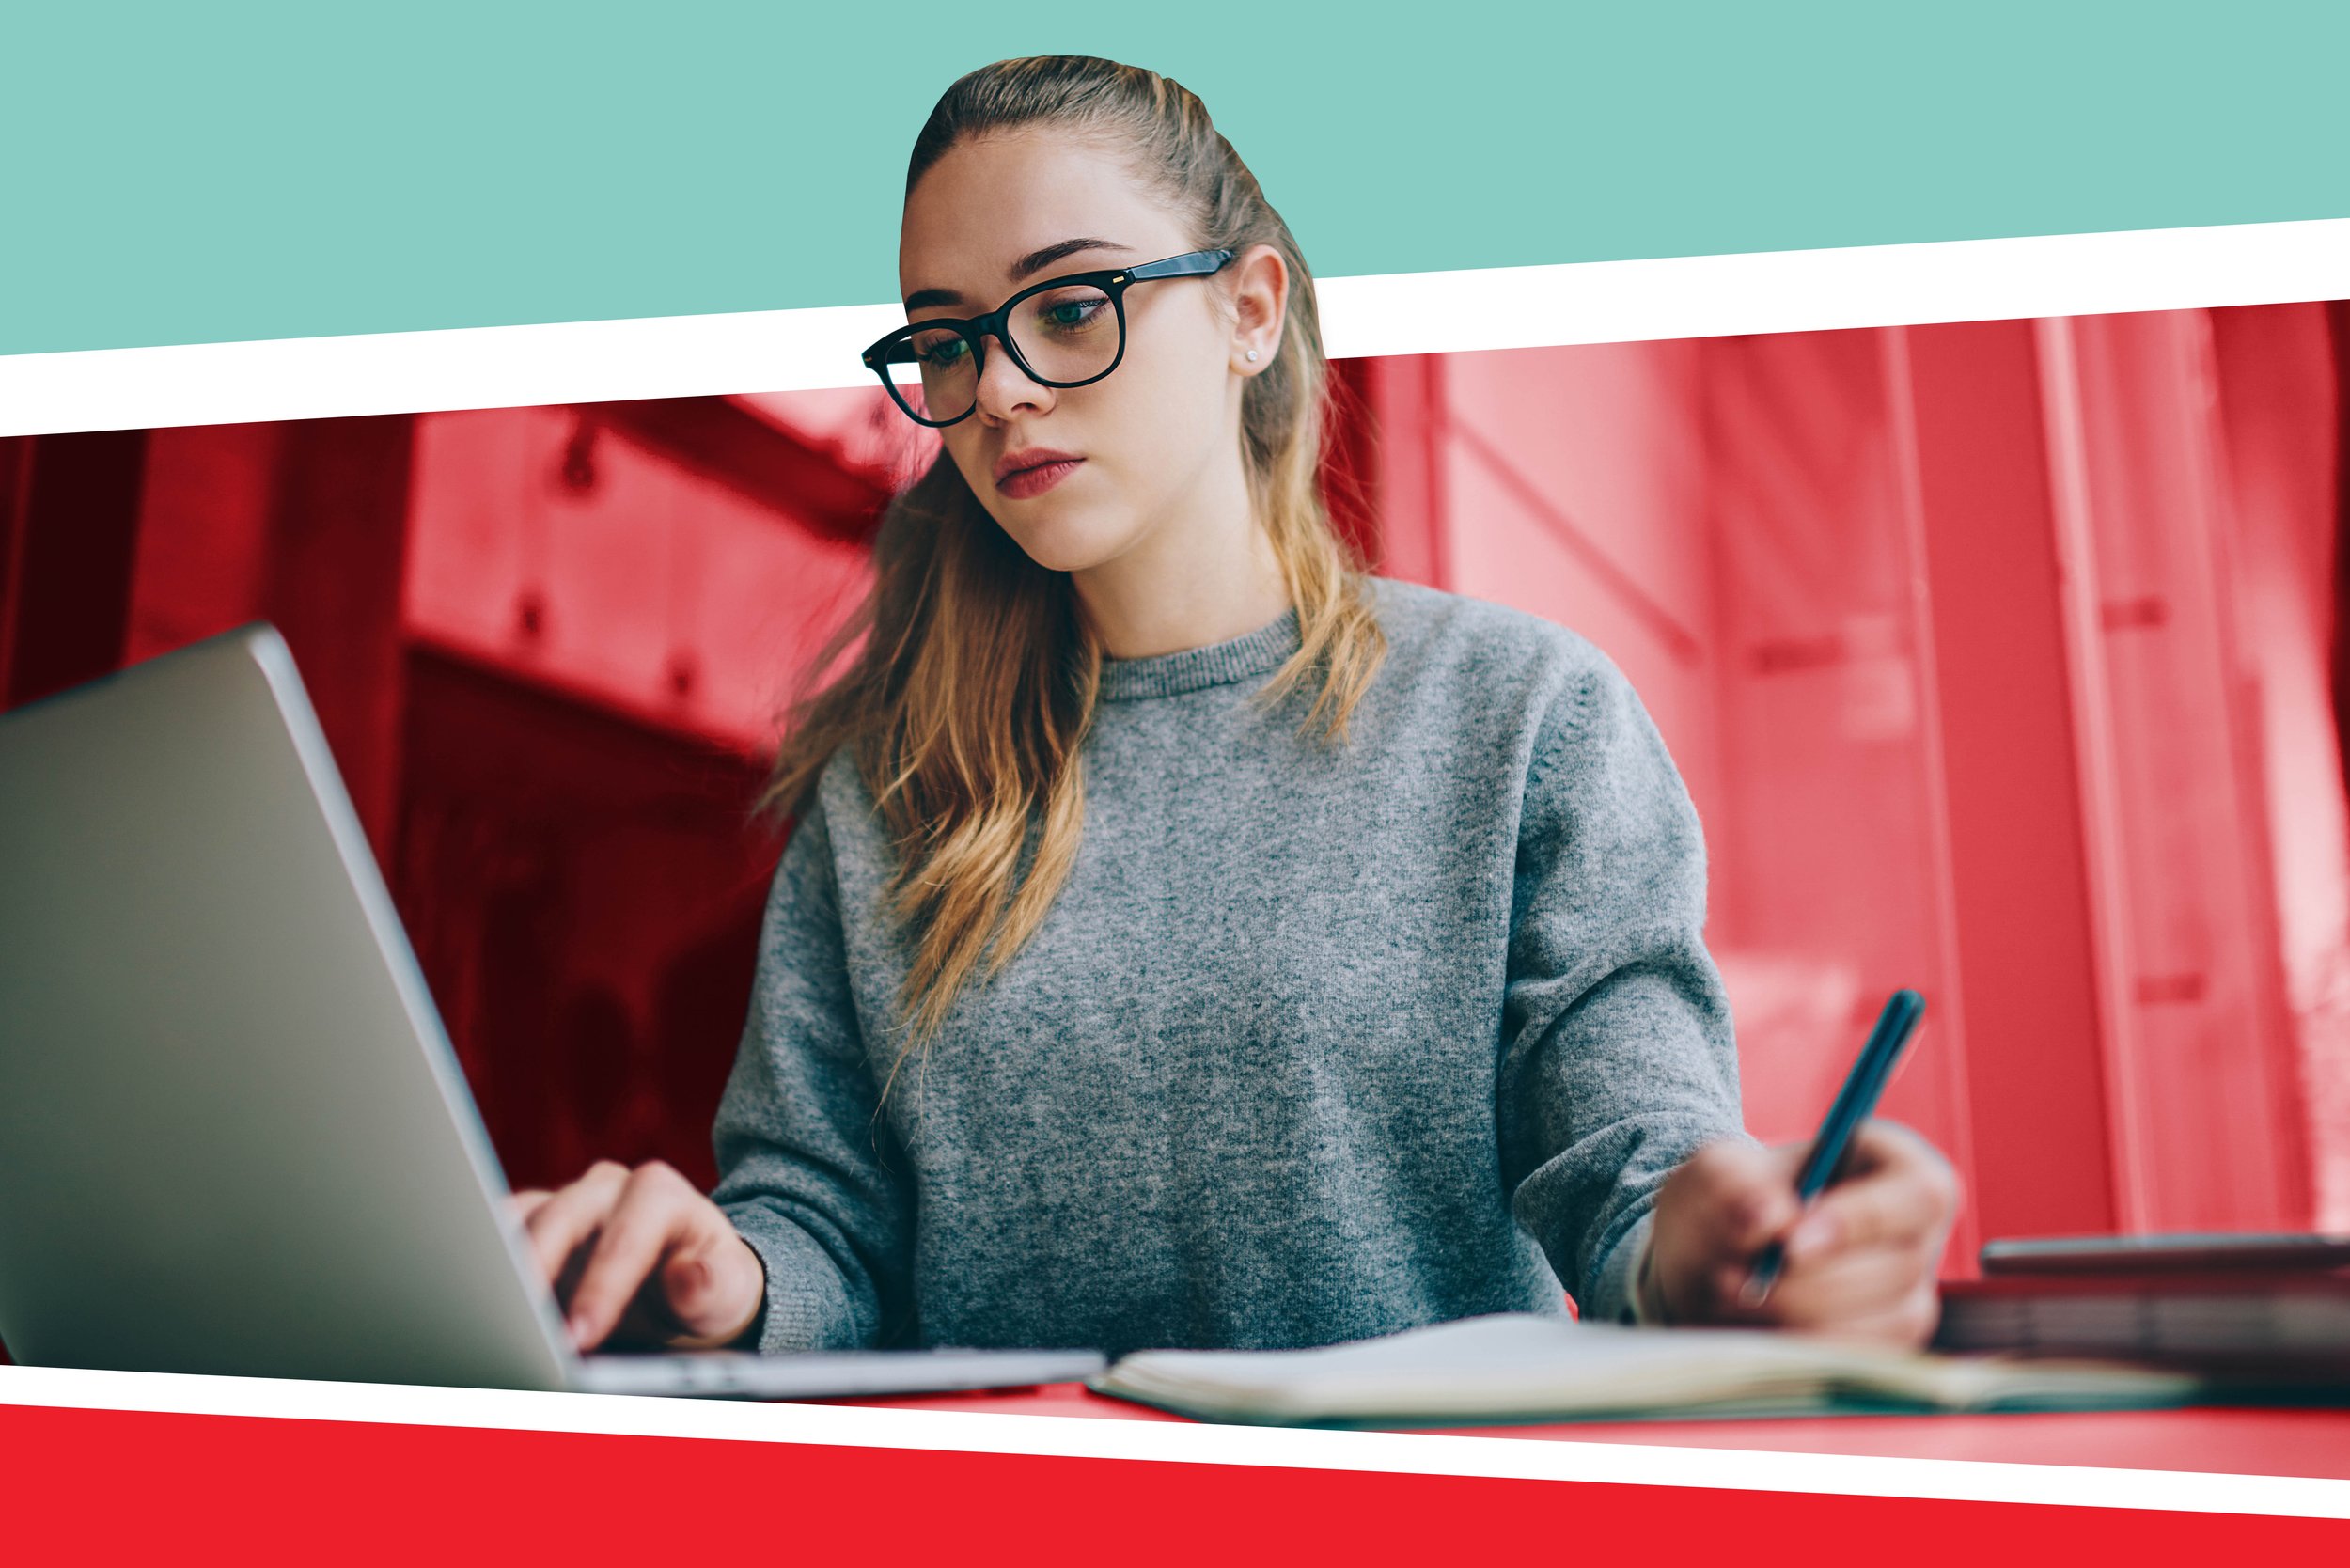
(233, 1137)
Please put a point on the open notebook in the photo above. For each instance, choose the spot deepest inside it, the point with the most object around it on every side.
(1523, 1367)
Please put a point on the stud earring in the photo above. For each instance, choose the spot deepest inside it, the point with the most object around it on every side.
(1252, 353)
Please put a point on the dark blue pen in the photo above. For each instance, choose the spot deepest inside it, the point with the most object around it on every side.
(1854, 1102)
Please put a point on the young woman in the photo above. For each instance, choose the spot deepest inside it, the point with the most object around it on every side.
(1185, 938)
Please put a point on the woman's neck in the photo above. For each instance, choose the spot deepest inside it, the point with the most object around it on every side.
(1190, 582)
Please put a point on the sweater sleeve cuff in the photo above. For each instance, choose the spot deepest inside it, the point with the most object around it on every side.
(1617, 1296)
(808, 1304)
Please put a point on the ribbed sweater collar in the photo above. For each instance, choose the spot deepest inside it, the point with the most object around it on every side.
(1256, 652)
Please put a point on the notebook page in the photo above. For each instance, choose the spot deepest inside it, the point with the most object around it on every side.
(1520, 1365)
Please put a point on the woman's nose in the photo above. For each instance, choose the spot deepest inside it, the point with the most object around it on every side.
(1005, 390)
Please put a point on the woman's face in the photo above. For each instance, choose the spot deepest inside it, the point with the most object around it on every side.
(1160, 433)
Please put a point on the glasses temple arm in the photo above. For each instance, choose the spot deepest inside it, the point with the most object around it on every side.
(1188, 265)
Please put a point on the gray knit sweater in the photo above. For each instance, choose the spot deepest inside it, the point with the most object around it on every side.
(1317, 1042)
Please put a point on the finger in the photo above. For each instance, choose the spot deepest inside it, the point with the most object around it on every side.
(688, 1281)
(1902, 1194)
(1743, 1195)
(1728, 1296)
(1908, 1323)
(1848, 1286)
(1805, 1289)
(711, 1281)
(1877, 1143)
(526, 1202)
(696, 1285)
(569, 1216)
(636, 1238)
(1803, 1294)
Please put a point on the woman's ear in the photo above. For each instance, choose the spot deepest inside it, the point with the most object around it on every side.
(1261, 291)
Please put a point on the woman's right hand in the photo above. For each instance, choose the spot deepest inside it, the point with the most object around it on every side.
(644, 1253)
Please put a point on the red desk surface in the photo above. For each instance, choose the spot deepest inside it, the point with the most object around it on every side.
(2236, 1441)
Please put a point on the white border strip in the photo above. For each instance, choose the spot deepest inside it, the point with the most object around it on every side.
(1078, 1437)
(778, 351)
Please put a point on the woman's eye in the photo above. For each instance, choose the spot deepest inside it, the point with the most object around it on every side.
(943, 353)
(1073, 313)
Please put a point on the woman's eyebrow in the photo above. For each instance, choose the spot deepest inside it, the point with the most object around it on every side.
(1037, 261)
(1024, 268)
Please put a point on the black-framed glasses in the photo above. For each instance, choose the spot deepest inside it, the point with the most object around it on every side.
(1064, 332)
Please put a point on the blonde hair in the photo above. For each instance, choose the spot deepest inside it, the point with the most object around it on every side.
(967, 678)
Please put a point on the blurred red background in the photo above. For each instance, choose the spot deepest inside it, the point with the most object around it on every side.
(2001, 659)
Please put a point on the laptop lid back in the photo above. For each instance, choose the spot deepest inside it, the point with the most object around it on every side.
(233, 1137)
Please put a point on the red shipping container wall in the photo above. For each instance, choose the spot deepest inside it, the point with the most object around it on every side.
(1998, 658)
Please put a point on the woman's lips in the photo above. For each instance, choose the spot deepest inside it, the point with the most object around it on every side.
(1021, 483)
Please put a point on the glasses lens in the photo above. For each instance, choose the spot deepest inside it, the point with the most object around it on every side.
(1069, 334)
(950, 378)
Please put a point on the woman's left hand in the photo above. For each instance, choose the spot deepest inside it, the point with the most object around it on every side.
(1860, 1262)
